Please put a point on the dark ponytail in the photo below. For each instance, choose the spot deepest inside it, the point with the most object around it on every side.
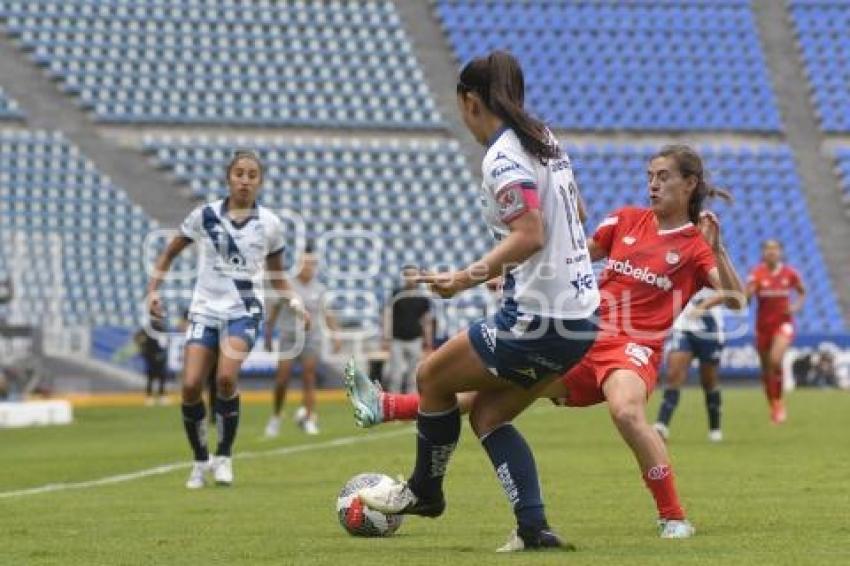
(690, 165)
(499, 81)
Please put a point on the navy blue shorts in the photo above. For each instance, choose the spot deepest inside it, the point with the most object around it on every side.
(209, 333)
(525, 349)
(703, 346)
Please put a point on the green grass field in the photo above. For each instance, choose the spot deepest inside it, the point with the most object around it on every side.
(767, 495)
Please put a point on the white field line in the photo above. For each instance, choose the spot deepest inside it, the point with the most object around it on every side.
(167, 468)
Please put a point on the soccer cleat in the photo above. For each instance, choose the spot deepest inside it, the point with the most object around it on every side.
(198, 475)
(309, 426)
(541, 540)
(675, 528)
(223, 470)
(715, 435)
(365, 396)
(397, 499)
(662, 431)
(300, 416)
(273, 427)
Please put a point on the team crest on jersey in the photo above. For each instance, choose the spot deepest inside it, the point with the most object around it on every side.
(629, 240)
(639, 355)
(672, 257)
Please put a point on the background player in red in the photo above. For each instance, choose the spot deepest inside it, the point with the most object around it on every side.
(771, 282)
(657, 260)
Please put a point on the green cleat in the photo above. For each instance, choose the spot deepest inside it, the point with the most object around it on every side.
(364, 395)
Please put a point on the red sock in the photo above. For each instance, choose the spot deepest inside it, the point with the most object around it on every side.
(660, 481)
(776, 382)
(772, 386)
(399, 406)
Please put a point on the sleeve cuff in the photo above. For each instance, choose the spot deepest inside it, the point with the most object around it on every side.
(276, 252)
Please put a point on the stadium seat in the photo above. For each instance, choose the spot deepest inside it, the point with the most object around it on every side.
(588, 64)
(341, 64)
(823, 39)
(55, 206)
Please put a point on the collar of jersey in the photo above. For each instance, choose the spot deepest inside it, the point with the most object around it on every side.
(495, 137)
(238, 225)
(776, 271)
(674, 230)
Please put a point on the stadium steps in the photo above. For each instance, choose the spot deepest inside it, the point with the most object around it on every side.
(807, 142)
(47, 108)
(435, 55)
(79, 373)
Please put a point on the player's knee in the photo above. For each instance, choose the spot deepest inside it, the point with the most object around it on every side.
(427, 380)
(626, 413)
(190, 392)
(226, 385)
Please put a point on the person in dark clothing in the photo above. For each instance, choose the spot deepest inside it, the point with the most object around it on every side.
(408, 331)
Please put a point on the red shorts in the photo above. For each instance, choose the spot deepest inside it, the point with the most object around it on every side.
(765, 336)
(584, 381)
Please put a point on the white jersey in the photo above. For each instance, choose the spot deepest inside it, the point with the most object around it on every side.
(557, 281)
(686, 322)
(231, 259)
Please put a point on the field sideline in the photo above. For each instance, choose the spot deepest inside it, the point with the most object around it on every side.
(767, 495)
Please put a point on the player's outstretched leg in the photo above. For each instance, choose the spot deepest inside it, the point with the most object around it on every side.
(626, 396)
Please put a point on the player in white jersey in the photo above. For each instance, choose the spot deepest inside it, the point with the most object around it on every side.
(239, 243)
(298, 344)
(545, 324)
(697, 333)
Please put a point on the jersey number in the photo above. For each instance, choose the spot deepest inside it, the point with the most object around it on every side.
(573, 219)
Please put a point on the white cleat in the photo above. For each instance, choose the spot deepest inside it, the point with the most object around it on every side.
(388, 497)
(662, 431)
(715, 435)
(300, 416)
(273, 427)
(223, 470)
(198, 475)
(364, 395)
(675, 528)
(309, 426)
(543, 540)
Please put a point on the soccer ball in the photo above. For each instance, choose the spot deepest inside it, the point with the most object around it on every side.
(356, 518)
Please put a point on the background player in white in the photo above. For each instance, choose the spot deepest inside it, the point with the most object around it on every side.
(697, 333)
(238, 241)
(544, 325)
(302, 345)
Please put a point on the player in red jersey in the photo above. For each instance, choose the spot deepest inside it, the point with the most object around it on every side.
(771, 282)
(657, 260)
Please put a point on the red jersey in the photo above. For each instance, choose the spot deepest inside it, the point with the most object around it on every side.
(772, 290)
(651, 274)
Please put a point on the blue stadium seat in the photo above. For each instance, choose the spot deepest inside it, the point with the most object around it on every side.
(823, 39)
(588, 64)
(48, 188)
(332, 64)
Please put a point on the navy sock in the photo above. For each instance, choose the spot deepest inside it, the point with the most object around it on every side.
(712, 404)
(227, 421)
(668, 406)
(514, 464)
(436, 439)
(196, 429)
